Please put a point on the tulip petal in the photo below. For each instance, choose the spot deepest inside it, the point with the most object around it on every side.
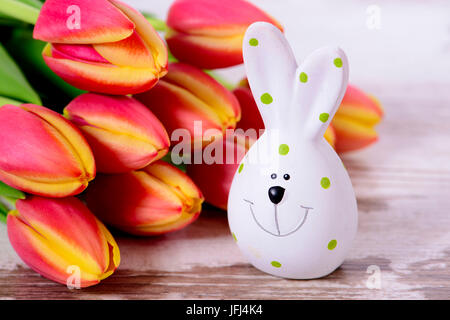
(103, 78)
(148, 35)
(71, 134)
(206, 52)
(219, 18)
(46, 234)
(187, 97)
(208, 90)
(155, 200)
(251, 118)
(56, 22)
(330, 135)
(64, 167)
(355, 120)
(112, 256)
(178, 108)
(209, 33)
(36, 252)
(361, 107)
(175, 178)
(78, 52)
(352, 135)
(123, 134)
(215, 179)
(139, 199)
(131, 52)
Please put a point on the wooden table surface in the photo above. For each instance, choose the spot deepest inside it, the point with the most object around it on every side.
(403, 189)
(402, 185)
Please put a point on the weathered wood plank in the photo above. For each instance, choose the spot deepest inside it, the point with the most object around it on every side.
(402, 185)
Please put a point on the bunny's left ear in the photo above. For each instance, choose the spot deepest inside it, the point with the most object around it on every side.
(270, 66)
(321, 84)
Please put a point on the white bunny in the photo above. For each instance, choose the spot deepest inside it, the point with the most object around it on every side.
(292, 210)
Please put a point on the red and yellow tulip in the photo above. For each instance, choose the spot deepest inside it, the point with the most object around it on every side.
(60, 237)
(355, 120)
(42, 153)
(215, 179)
(101, 45)
(157, 199)
(209, 33)
(124, 134)
(187, 95)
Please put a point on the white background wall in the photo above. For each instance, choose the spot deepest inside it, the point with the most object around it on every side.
(412, 45)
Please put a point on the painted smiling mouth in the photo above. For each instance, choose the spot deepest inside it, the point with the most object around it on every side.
(279, 234)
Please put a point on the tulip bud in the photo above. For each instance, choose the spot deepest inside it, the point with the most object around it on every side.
(157, 199)
(251, 118)
(215, 179)
(330, 135)
(61, 239)
(124, 135)
(209, 33)
(101, 45)
(355, 120)
(43, 153)
(187, 95)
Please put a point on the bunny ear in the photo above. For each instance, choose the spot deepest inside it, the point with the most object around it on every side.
(270, 66)
(321, 82)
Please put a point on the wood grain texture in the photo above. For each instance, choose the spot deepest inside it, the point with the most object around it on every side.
(403, 190)
(402, 185)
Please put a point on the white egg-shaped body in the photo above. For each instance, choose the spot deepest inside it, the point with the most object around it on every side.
(309, 232)
(291, 208)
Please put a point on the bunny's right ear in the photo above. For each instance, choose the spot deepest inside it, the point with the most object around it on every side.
(270, 66)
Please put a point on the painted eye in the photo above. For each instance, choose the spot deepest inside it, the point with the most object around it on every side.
(286, 177)
(273, 175)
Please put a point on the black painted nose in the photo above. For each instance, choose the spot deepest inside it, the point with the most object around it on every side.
(276, 194)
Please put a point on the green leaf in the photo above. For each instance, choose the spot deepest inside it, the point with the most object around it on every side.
(172, 58)
(10, 192)
(167, 158)
(4, 100)
(12, 82)
(3, 217)
(3, 212)
(34, 3)
(21, 10)
(158, 24)
(28, 52)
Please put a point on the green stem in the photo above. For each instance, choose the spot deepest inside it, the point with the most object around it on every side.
(19, 10)
(6, 205)
(158, 24)
(221, 80)
(4, 100)
(10, 193)
(3, 212)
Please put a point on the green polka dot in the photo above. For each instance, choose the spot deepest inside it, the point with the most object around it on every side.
(241, 167)
(283, 149)
(234, 236)
(338, 62)
(276, 264)
(332, 244)
(303, 77)
(325, 183)
(324, 117)
(266, 98)
(253, 42)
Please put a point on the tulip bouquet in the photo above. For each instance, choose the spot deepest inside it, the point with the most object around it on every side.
(121, 104)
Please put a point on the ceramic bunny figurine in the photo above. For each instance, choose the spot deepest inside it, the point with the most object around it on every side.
(292, 209)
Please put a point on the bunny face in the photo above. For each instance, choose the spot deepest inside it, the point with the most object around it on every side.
(291, 207)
